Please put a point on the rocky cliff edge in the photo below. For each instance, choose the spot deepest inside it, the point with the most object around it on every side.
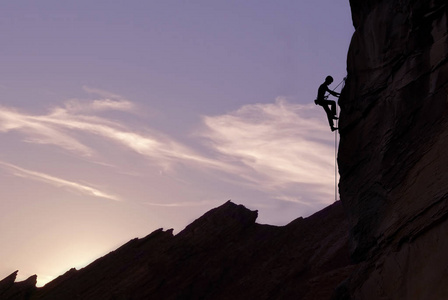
(392, 161)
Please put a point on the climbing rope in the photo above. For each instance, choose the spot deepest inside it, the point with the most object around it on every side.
(336, 159)
(336, 149)
(343, 80)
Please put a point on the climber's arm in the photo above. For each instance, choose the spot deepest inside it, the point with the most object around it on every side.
(333, 93)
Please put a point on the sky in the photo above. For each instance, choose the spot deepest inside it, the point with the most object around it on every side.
(121, 117)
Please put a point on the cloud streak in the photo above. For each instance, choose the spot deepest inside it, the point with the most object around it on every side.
(39, 132)
(62, 126)
(76, 106)
(180, 204)
(58, 182)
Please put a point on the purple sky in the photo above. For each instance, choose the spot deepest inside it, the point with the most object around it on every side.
(121, 117)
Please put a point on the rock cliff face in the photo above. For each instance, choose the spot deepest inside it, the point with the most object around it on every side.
(222, 255)
(394, 136)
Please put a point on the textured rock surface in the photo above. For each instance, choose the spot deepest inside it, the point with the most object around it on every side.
(394, 135)
(222, 255)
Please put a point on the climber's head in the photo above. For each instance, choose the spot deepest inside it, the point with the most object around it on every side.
(328, 80)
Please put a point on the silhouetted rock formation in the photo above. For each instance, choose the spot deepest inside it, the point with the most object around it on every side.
(9, 290)
(222, 255)
(392, 159)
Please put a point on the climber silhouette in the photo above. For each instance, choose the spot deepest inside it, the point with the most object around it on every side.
(324, 102)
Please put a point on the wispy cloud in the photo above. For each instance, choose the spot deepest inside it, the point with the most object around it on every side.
(280, 144)
(103, 101)
(37, 131)
(55, 181)
(180, 204)
(282, 149)
(102, 93)
(64, 127)
(292, 199)
(79, 106)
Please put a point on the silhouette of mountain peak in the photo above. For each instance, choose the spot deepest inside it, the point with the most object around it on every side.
(227, 219)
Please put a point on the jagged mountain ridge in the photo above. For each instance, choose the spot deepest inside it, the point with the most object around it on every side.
(222, 255)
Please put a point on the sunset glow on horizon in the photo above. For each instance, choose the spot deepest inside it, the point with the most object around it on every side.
(117, 119)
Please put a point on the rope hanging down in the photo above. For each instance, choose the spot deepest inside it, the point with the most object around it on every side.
(336, 150)
(331, 109)
(336, 160)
